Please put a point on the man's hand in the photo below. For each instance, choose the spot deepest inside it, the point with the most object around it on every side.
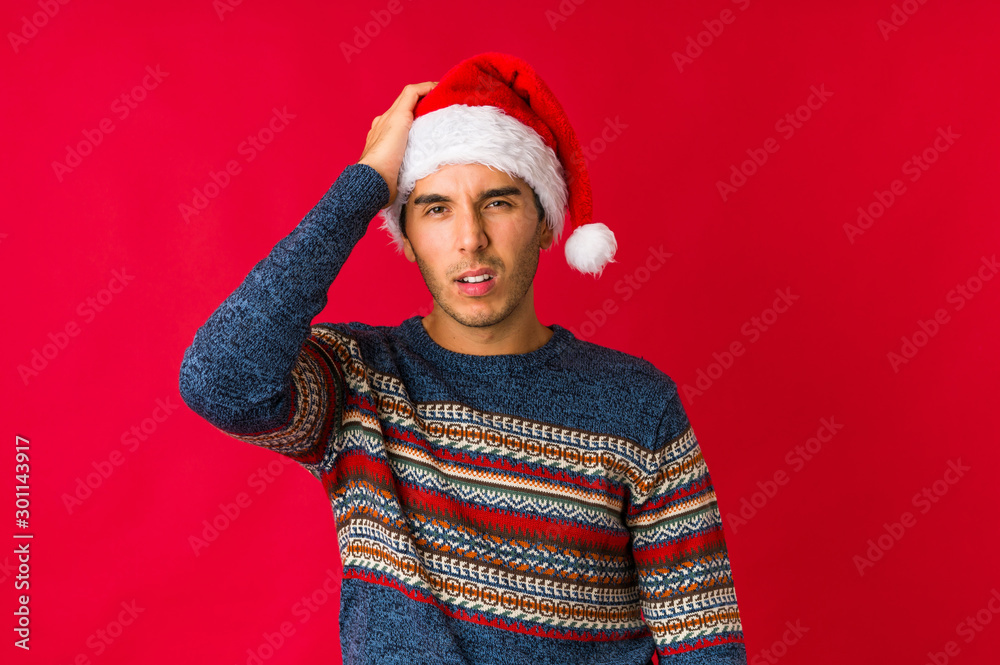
(387, 139)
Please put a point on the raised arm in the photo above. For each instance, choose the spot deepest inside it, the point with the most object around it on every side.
(254, 370)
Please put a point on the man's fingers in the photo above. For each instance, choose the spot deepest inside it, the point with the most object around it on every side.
(407, 100)
(408, 97)
(387, 138)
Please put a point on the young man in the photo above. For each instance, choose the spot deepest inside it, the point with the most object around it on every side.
(503, 492)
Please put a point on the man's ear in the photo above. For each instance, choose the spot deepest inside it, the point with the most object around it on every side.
(407, 247)
(546, 236)
(408, 250)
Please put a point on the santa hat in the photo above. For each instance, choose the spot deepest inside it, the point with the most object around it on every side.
(493, 109)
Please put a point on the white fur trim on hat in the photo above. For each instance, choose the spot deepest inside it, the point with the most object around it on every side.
(460, 134)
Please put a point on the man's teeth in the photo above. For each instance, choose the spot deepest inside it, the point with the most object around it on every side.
(472, 280)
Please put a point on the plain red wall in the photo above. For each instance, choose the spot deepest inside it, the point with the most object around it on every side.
(681, 127)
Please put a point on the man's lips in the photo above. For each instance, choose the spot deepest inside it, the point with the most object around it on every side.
(477, 272)
(476, 288)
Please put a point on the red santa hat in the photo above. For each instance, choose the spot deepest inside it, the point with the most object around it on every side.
(493, 109)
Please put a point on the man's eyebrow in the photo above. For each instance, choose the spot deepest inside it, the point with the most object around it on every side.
(430, 198)
(500, 191)
(424, 199)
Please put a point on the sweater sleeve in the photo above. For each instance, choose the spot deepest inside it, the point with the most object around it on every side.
(687, 594)
(254, 370)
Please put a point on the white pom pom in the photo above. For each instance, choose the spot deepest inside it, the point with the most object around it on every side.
(590, 248)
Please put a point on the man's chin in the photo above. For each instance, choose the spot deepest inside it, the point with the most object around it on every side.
(476, 316)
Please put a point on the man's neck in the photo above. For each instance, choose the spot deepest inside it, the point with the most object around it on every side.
(505, 338)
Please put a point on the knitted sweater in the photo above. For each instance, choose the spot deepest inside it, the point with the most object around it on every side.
(545, 507)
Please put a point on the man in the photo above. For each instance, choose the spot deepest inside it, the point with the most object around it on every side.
(503, 492)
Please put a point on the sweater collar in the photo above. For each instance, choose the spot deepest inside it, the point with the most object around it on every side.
(416, 335)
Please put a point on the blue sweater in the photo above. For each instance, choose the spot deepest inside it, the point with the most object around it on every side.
(545, 507)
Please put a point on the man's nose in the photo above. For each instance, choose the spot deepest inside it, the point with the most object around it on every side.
(471, 229)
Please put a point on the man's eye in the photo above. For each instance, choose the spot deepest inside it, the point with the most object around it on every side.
(503, 202)
(431, 210)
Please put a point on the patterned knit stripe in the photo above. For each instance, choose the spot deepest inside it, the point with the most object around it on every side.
(678, 606)
(458, 538)
(677, 465)
(521, 602)
(674, 546)
(559, 452)
(522, 481)
(717, 625)
(689, 584)
(525, 556)
(601, 539)
(454, 544)
(511, 603)
(672, 635)
(366, 547)
(721, 631)
(488, 459)
(671, 501)
(313, 416)
(504, 492)
(473, 561)
(364, 544)
(356, 469)
(680, 520)
(564, 525)
(671, 603)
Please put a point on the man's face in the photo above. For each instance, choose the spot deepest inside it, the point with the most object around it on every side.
(466, 217)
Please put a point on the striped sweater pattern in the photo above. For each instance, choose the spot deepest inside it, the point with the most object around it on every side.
(546, 507)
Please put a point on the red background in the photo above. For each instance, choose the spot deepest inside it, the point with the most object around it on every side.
(655, 183)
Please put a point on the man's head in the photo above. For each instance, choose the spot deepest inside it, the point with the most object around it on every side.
(494, 110)
(469, 217)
